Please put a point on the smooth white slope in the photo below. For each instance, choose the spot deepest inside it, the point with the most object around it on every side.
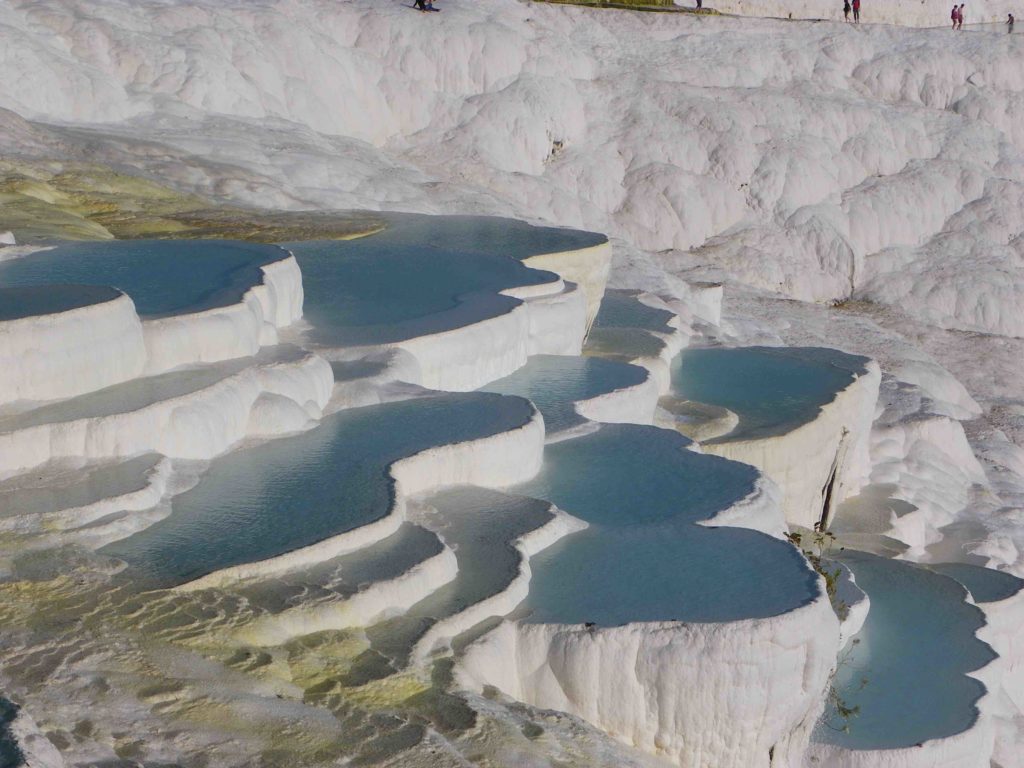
(802, 156)
(929, 13)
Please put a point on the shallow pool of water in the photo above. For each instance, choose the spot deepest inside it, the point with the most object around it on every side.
(622, 309)
(163, 277)
(422, 275)
(984, 584)
(481, 526)
(907, 668)
(772, 390)
(293, 492)
(622, 344)
(339, 578)
(643, 557)
(17, 302)
(554, 383)
(47, 491)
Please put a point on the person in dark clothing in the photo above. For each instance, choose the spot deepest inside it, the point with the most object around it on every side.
(700, 4)
(1009, 24)
(846, 9)
(856, 11)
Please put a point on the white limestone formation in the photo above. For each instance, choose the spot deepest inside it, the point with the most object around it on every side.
(698, 694)
(46, 357)
(198, 424)
(821, 463)
(227, 332)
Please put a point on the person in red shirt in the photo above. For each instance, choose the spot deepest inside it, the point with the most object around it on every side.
(856, 11)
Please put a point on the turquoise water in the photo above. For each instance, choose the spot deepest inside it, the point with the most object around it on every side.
(554, 383)
(907, 670)
(621, 309)
(984, 584)
(30, 300)
(643, 557)
(421, 275)
(293, 492)
(163, 277)
(773, 390)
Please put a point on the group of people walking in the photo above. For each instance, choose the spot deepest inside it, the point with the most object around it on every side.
(957, 15)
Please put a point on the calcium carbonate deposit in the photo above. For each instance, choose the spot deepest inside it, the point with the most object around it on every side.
(526, 384)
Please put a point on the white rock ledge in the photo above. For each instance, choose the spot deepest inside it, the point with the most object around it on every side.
(197, 425)
(704, 695)
(64, 354)
(587, 267)
(629, 405)
(717, 695)
(46, 357)
(554, 318)
(801, 460)
(550, 320)
(504, 602)
(237, 330)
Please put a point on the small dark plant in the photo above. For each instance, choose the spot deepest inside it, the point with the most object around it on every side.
(841, 712)
(819, 546)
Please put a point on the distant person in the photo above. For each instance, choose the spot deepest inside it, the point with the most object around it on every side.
(1009, 24)
(700, 4)
(960, 17)
(955, 15)
(846, 9)
(856, 11)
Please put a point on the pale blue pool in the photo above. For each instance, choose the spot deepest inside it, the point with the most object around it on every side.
(421, 275)
(31, 300)
(984, 584)
(163, 277)
(554, 383)
(772, 390)
(293, 492)
(622, 309)
(643, 558)
(907, 670)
